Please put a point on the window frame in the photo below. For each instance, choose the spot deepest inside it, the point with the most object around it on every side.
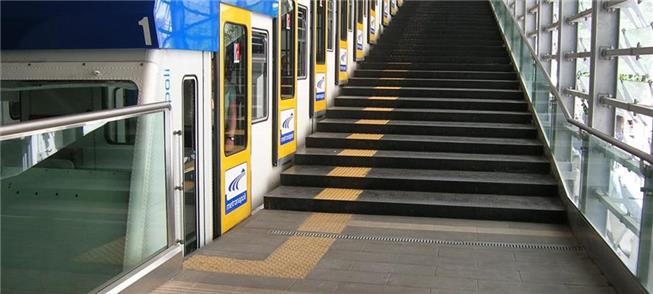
(244, 58)
(302, 71)
(292, 51)
(330, 24)
(267, 78)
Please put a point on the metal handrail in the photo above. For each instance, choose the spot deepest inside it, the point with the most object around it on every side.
(553, 89)
(39, 125)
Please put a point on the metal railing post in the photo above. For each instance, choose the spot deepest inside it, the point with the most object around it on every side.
(545, 17)
(567, 36)
(603, 71)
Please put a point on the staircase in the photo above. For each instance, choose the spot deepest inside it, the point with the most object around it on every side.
(433, 123)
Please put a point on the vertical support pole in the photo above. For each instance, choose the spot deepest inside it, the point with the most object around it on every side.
(545, 18)
(646, 227)
(567, 36)
(603, 72)
(530, 21)
(566, 72)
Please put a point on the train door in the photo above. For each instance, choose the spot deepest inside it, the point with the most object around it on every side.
(386, 12)
(371, 23)
(286, 104)
(342, 43)
(393, 7)
(234, 118)
(318, 56)
(190, 164)
(359, 30)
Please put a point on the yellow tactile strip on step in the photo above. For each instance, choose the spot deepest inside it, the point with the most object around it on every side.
(342, 171)
(365, 136)
(294, 259)
(386, 88)
(382, 97)
(373, 121)
(357, 152)
(339, 194)
(378, 109)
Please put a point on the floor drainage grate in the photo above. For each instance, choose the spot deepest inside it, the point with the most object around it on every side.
(550, 247)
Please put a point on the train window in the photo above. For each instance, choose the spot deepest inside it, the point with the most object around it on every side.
(359, 11)
(320, 57)
(28, 100)
(343, 20)
(365, 7)
(330, 24)
(302, 27)
(259, 76)
(288, 55)
(189, 93)
(235, 88)
(350, 12)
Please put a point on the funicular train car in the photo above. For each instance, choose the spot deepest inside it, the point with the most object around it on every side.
(134, 132)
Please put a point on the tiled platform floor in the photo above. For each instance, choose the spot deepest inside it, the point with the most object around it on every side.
(254, 259)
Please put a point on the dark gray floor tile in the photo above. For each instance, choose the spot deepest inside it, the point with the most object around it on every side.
(383, 267)
(348, 276)
(563, 277)
(432, 282)
(480, 274)
(590, 290)
(496, 287)
(244, 281)
(314, 286)
(356, 288)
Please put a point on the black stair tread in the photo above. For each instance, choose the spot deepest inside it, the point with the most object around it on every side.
(441, 99)
(431, 110)
(439, 89)
(425, 138)
(431, 175)
(422, 123)
(436, 80)
(430, 155)
(437, 71)
(431, 198)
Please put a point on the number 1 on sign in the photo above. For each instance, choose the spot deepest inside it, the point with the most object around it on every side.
(145, 24)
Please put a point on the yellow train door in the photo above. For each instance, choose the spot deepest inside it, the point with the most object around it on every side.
(286, 105)
(343, 12)
(371, 23)
(318, 56)
(234, 119)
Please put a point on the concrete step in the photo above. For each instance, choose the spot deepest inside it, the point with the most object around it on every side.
(427, 143)
(426, 204)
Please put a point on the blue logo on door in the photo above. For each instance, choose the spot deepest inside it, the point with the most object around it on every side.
(287, 126)
(236, 189)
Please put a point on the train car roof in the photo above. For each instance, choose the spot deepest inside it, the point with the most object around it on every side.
(172, 24)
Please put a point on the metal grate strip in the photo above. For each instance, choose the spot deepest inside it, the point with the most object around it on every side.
(549, 247)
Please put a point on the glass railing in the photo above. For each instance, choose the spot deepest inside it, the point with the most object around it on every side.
(609, 183)
(82, 204)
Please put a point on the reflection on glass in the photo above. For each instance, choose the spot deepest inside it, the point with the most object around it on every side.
(28, 100)
(235, 88)
(288, 54)
(302, 36)
(190, 164)
(259, 76)
(78, 210)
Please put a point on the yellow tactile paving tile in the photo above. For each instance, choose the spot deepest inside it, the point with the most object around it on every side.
(382, 98)
(339, 194)
(357, 152)
(110, 253)
(365, 136)
(325, 222)
(341, 171)
(386, 88)
(378, 109)
(294, 259)
(373, 121)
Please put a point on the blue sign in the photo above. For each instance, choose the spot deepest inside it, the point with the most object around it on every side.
(165, 24)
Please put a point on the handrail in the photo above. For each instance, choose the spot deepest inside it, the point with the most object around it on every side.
(26, 128)
(553, 89)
